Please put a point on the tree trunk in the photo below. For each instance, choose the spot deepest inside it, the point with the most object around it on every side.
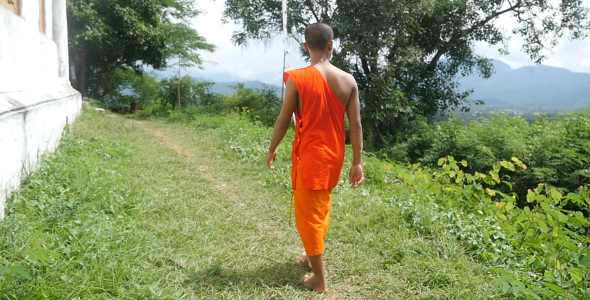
(178, 94)
(133, 108)
(80, 65)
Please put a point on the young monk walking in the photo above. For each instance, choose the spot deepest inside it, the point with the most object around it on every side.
(319, 95)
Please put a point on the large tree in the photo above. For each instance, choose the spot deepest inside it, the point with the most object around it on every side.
(406, 54)
(108, 35)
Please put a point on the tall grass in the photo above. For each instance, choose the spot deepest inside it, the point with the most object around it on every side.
(131, 209)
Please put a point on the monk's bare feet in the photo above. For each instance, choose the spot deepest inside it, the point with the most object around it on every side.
(304, 262)
(312, 282)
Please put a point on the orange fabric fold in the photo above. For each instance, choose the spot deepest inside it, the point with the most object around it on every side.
(312, 216)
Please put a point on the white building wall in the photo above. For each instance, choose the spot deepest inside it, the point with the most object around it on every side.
(27, 57)
(36, 101)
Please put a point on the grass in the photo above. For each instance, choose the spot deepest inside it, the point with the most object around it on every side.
(130, 209)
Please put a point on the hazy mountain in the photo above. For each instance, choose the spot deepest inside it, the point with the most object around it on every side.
(537, 87)
(223, 81)
(226, 87)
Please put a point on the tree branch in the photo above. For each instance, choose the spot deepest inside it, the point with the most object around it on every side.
(455, 36)
(312, 10)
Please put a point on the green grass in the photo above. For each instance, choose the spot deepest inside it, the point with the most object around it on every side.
(130, 209)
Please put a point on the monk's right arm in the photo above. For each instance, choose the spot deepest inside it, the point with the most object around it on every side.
(283, 121)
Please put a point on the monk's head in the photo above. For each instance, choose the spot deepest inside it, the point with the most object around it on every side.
(319, 37)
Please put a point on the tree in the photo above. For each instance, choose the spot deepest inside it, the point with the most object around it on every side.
(262, 105)
(407, 54)
(107, 35)
(184, 91)
(129, 90)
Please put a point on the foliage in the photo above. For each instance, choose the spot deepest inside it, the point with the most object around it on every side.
(257, 105)
(108, 35)
(405, 55)
(556, 152)
(127, 90)
(185, 91)
(541, 251)
(261, 105)
(155, 210)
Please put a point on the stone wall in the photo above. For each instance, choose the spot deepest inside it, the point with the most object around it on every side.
(36, 98)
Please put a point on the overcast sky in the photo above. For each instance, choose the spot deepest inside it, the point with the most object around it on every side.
(265, 62)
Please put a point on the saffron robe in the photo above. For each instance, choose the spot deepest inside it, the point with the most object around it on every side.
(317, 156)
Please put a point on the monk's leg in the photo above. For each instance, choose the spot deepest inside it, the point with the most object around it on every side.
(304, 261)
(318, 280)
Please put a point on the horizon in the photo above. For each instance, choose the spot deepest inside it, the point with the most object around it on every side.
(228, 77)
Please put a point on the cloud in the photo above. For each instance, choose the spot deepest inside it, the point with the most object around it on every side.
(264, 61)
(259, 61)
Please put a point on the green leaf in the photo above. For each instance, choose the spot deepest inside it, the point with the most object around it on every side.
(542, 226)
(15, 271)
(554, 288)
(576, 274)
(546, 207)
(555, 195)
(561, 217)
(509, 206)
(500, 271)
(508, 165)
(490, 192)
(584, 261)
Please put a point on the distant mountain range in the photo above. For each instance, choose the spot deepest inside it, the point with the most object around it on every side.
(539, 87)
(223, 82)
(535, 88)
(226, 88)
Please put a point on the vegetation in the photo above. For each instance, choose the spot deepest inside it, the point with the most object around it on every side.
(407, 55)
(106, 36)
(131, 209)
(556, 152)
(175, 202)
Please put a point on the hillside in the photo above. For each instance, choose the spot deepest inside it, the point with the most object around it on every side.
(227, 87)
(536, 87)
(131, 209)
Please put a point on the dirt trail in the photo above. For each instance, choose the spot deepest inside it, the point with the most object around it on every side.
(176, 147)
(204, 169)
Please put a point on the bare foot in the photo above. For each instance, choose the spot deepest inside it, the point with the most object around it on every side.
(304, 262)
(311, 282)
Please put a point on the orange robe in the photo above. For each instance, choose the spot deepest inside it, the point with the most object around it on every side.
(317, 156)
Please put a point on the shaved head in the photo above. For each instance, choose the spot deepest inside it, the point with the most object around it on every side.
(318, 35)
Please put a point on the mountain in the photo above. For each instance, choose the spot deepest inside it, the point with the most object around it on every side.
(223, 82)
(539, 87)
(534, 88)
(225, 88)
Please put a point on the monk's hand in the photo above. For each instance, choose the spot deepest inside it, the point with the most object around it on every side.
(356, 176)
(270, 158)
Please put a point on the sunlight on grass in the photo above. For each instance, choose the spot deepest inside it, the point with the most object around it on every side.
(120, 212)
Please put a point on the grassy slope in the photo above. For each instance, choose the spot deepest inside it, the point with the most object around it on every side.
(150, 210)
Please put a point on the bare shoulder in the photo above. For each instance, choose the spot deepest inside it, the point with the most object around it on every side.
(344, 76)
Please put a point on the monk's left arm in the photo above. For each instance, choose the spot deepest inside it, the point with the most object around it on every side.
(283, 121)
(353, 111)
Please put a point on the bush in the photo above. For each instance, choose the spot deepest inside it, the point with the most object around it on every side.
(556, 152)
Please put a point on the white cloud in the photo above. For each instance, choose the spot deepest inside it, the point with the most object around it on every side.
(259, 61)
(264, 62)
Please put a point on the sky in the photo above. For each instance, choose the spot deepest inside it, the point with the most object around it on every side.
(264, 61)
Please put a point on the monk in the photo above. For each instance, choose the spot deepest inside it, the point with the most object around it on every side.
(319, 95)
